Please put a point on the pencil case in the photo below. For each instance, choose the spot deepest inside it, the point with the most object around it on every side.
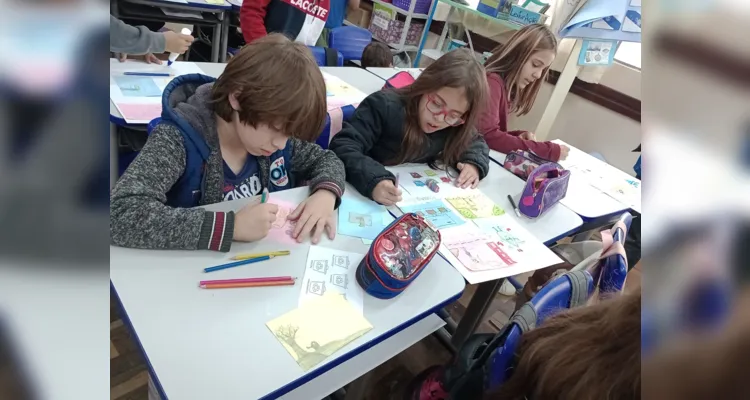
(521, 163)
(397, 256)
(545, 186)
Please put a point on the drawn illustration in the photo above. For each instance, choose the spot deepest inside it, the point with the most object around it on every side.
(137, 86)
(340, 261)
(430, 172)
(509, 239)
(340, 280)
(436, 213)
(361, 220)
(281, 216)
(445, 179)
(316, 330)
(319, 266)
(316, 287)
(419, 183)
(415, 175)
(475, 206)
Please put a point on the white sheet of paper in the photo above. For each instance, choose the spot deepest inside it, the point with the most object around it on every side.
(330, 270)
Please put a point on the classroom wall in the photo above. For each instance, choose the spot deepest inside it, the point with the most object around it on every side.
(591, 127)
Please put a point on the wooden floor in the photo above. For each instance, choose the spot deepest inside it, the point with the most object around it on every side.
(129, 376)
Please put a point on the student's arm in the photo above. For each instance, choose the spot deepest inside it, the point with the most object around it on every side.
(252, 19)
(356, 139)
(139, 216)
(124, 38)
(490, 121)
(478, 155)
(321, 168)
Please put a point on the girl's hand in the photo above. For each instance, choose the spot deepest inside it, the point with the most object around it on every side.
(564, 151)
(386, 193)
(469, 176)
(527, 136)
(315, 215)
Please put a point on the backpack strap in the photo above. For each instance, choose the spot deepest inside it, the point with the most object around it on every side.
(525, 317)
(579, 288)
(332, 57)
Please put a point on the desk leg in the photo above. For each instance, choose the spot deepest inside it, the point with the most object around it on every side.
(478, 306)
(216, 42)
(113, 161)
(224, 36)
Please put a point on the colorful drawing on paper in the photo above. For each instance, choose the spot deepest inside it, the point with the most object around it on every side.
(475, 205)
(137, 86)
(435, 212)
(476, 250)
(330, 270)
(318, 328)
(282, 228)
(362, 218)
(430, 172)
(340, 93)
(516, 241)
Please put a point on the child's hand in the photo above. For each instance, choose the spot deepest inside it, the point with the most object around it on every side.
(254, 221)
(177, 42)
(527, 136)
(315, 215)
(150, 58)
(386, 193)
(469, 176)
(564, 150)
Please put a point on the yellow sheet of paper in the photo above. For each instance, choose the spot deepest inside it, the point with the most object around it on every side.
(218, 2)
(318, 329)
(475, 206)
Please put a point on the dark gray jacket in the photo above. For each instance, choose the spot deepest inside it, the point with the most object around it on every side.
(136, 40)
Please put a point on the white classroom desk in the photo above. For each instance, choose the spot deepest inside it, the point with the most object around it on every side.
(387, 73)
(213, 344)
(581, 198)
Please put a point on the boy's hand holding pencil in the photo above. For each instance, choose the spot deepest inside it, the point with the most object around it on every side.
(254, 220)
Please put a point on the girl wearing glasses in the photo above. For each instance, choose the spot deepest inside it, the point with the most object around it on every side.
(515, 73)
(430, 121)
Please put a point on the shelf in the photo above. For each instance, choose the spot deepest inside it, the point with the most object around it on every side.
(400, 11)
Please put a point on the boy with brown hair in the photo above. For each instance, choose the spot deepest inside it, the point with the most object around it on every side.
(229, 138)
(377, 54)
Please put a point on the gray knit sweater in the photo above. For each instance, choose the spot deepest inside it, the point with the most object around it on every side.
(139, 216)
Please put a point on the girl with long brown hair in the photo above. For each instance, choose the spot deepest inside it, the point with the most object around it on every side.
(430, 121)
(515, 72)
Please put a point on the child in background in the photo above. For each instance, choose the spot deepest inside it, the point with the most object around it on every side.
(377, 54)
(249, 130)
(336, 16)
(127, 39)
(429, 121)
(515, 72)
(301, 21)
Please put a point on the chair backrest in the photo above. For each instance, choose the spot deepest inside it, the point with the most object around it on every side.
(151, 125)
(612, 269)
(570, 290)
(326, 57)
(350, 41)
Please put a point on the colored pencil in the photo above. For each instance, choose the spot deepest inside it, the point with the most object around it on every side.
(237, 263)
(264, 196)
(247, 284)
(248, 280)
(148, 73)
(397, 176)
(256, 255)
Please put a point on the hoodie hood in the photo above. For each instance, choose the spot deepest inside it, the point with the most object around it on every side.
(187, 104)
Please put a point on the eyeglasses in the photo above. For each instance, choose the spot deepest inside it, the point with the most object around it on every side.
(436, 107)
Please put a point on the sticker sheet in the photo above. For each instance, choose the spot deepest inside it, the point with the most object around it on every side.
(436, 212)
(332, 271)
(476, 205)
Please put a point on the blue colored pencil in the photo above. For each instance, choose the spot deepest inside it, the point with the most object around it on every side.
(237, 263)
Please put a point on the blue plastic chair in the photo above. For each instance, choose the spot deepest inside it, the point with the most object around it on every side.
(320, 56)
(567, 291)
(612, 271)
(350, 41)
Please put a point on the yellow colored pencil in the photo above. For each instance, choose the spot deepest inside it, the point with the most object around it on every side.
(256, 255)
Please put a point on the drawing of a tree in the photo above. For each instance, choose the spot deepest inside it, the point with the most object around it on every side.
(287, 333)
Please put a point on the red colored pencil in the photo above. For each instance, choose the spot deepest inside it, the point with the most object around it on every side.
(247, 284)
(248, 280)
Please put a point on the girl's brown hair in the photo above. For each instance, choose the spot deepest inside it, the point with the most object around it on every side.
(508, 60)
(588, 353)
(456, 69)
(277, 83)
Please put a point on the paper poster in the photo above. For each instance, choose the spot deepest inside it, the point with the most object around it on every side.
(340, 92)
(475, 205)
(318, 328)
(332, 271)
(476, 250)
(362, 218)
(137, 86)
(518, 243)
(597, 52)
(436, 212)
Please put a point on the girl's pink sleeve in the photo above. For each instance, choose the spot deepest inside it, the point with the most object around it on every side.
(494, 120)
